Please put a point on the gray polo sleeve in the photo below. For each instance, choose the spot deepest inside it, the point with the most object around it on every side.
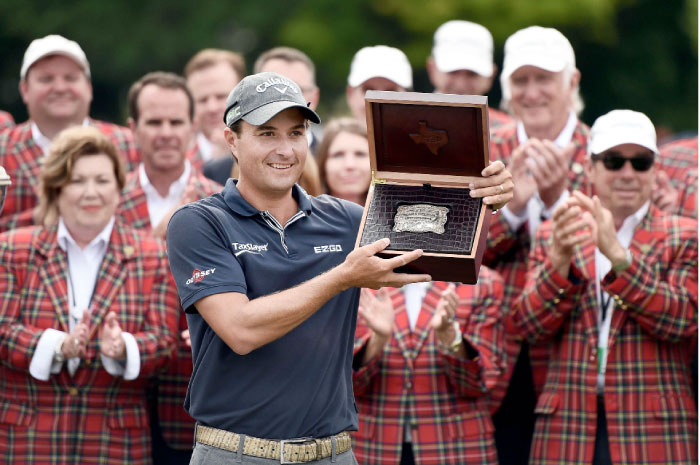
(201, 260)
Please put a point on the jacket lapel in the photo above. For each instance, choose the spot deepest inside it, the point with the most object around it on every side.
(134, 206)
(427, 310)
(53, 274)
(31, 155)
(110, 276)
(584, 259)
(643, 243)
(402, 327)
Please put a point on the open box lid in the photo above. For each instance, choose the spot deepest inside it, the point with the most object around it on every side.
(427, 134)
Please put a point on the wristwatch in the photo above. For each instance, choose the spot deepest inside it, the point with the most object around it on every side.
(622, 266)
(57, 353)
(456, 343)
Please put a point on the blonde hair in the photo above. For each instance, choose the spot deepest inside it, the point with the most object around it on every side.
(57, 170)
(213, 56)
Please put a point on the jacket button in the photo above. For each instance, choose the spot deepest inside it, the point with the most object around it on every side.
(408, 385)
(592, 358)
(73, 391)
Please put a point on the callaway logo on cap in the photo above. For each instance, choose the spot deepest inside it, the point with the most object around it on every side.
(259, 97)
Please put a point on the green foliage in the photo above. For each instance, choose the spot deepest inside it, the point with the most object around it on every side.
(639, 54)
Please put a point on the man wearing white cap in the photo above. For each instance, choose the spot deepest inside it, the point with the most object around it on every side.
(462, 63)
(376, 68)
(613, 291)
(545, 150)
(55, 86)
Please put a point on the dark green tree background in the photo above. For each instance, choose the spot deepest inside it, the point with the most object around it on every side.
(638, 54)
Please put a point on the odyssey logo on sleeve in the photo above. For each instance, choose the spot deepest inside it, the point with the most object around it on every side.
(199, 275)
(256, 249)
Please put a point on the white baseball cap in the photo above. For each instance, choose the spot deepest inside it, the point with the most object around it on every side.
(380, 61)
(622, 127)
(542, 47)
(463, 45)
(53, 44)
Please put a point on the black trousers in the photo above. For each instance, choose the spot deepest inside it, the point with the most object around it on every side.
(407, 454)
(601, 453)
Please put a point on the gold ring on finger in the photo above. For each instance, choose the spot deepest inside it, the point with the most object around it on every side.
(501, 186)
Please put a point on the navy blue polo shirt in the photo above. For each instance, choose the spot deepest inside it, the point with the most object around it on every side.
(301, 384)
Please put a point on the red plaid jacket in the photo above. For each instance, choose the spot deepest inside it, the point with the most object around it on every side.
(649, 401)
(6, 120)
(20, 156)
(176, 424)
(679, 159)
(90, 417)
(507, 252)
(442, 397)
(497, 119)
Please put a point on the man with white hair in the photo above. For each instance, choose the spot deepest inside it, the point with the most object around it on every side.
(613, 292)
(545, 149)
(462, 63)
(376, 68)
(55, 86)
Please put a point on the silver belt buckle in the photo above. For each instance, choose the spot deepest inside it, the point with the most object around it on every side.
(291, 441)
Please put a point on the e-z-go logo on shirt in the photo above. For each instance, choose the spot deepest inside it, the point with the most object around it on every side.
(328, 248)
(199, 275)
(248, 248)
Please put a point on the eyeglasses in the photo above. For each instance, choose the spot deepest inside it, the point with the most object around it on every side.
(614, 161)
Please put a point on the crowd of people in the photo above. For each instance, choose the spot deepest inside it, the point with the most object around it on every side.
(577, 345)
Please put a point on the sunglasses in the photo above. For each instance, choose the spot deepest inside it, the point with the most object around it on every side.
(614, 161)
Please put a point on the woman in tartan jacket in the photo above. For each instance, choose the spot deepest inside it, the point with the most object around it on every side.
(75, 356)
(428, 379)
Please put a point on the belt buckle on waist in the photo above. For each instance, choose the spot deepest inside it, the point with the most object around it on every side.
(291, 441)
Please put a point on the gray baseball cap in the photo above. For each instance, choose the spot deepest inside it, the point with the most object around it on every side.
(259, 97)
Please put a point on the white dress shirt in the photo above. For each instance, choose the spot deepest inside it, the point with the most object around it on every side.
(83, 267)
(204, 146)
(159, 206)
(414, 294)
(603, 267)
(44, 142)
(535, 209)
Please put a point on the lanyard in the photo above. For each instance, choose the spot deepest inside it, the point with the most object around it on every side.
(71, 289)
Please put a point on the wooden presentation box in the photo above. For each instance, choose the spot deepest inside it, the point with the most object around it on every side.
(425, 149)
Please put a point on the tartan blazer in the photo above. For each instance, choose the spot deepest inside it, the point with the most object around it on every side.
(176, 424)
(507, 252)
(650, 404)
(679, 159)
(21, 158)
(6, 120)
(92, 416)
(498, 118)
(440, 396)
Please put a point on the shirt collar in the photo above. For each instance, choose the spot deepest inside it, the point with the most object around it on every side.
(562, 139)
(238, 204)
(64, 236)
(44, 142)
(180, 183)
(635, 218)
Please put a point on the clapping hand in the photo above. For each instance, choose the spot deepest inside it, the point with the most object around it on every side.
(111, 341)
(75, 344)
(378, 311)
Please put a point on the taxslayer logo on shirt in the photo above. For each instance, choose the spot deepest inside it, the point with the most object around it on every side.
(256, 249)
(199, 275)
